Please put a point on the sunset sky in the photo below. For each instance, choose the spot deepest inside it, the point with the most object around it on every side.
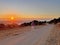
(43, 9)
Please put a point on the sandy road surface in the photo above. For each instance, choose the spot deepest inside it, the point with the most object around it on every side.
(37, 36)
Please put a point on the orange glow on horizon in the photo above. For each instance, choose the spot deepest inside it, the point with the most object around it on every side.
(12, 18)
(16, 17)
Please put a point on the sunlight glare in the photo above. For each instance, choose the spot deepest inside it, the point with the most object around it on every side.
(12, 18)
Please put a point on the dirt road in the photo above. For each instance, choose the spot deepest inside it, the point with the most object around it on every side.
(37, 36)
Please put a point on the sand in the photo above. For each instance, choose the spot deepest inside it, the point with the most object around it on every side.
(36, 36)
(13, 32)
(54, 38)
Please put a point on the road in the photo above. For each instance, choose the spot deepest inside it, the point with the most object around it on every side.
(37, 36)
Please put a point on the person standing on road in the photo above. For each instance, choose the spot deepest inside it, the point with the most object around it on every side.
(32, 25)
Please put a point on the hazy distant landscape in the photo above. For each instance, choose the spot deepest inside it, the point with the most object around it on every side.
(39, 32)
(29, 22)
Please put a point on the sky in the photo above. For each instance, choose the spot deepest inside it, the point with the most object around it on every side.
(43, 9)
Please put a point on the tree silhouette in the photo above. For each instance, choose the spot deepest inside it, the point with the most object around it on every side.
(35, 22)
(54, 21)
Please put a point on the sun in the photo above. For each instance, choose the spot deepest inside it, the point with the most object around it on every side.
(12, 18)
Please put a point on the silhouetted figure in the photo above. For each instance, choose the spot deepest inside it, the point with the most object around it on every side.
(32, 25)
